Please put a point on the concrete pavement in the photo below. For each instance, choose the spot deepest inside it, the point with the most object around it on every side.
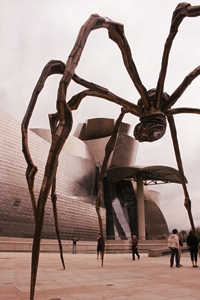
(84, 278)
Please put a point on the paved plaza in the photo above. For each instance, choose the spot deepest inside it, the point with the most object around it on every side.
(84, 278)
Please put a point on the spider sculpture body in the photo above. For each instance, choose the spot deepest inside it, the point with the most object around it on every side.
(153, 109)
(153, 121)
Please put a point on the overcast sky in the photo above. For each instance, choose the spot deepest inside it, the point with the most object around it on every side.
(34, 32)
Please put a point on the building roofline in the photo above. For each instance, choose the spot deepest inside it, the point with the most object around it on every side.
(154, 173)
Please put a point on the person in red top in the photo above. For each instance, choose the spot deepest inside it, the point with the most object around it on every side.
(135, 247)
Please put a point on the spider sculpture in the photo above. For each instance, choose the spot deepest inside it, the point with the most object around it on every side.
(153, 110)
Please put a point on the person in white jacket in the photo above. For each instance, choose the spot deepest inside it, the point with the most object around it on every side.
(173, 244)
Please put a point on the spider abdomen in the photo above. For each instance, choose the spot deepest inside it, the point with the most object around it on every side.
(152, 124)
(151, 128)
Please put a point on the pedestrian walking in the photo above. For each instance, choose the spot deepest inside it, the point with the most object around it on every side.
(134, 242)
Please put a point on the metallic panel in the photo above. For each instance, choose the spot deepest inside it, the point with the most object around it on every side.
(75, 187)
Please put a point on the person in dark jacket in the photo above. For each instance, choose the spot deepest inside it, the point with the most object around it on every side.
(134, 241)
(99, 246)
(193, 243)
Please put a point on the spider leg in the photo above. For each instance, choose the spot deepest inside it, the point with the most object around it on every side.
(116, 33)
(63, 129)
(62, 126)
(52, 67)
(98, 91)
(94, 22)
(187, 201)
(108, 150)
(54, 200)
(181, 89)
(182, 10)
(53, 120)
(119, 38)
(182, 110)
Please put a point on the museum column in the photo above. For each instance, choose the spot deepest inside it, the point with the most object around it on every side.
(140, 208)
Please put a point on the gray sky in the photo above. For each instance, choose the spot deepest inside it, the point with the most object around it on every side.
(32, 32)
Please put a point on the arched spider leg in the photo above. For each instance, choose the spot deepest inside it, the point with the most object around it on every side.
(116, 33)
(62, 127)
(65, 119)
(181, 11)
(187, 201)
(53, 67)
(108, 150)
(100, 92)
(119, 38)
(180, 89)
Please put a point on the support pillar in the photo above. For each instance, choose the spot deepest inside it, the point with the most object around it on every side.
(140, 208)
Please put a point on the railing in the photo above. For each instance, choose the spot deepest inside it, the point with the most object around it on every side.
(112, 246)
(143, 238)
(25, 245)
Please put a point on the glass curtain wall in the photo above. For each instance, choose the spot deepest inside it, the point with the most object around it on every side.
(121, 209)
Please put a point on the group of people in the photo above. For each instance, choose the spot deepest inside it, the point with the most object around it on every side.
(99, 245)
(175, 244)
(134, 243)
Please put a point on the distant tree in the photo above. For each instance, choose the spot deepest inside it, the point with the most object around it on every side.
(198, 233)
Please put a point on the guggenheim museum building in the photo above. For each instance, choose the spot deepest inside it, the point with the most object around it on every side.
(123, 212)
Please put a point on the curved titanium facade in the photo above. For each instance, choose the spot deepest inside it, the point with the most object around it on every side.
(79, 164)
(120, 199)
(75, 186)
